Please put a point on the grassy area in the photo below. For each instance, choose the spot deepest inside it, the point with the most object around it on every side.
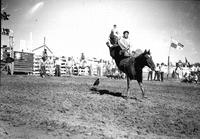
(65, 107)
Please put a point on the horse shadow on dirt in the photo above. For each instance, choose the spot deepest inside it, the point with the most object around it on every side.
(104, 91)
(107, 92)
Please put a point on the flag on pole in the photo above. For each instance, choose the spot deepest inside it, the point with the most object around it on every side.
(177, 45)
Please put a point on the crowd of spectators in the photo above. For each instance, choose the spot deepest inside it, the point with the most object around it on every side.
(158, 74)
(190, 73)
(76, 66)
(94, 67)
(100, 67)
(182, 72)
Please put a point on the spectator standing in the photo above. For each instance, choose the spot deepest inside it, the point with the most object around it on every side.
(157, 72)
(4, 53)
(69, 66)
(108, 68)
(113, 68)
(43, 67)
(178, 72)
(198, 68)
(44, 54)
(98, 69)
(196, 78)
(150, 72)
(9, 64)
(162, 69)
(57, 69)
(90, 69)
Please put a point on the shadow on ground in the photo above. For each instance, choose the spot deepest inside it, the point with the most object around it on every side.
(107, 92)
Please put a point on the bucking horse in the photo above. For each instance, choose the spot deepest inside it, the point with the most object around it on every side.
(132, 66)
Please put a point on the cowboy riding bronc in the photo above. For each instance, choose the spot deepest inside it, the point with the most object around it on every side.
(124, 42)
(131, 65)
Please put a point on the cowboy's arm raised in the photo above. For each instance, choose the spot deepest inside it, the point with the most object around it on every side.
(115, 32)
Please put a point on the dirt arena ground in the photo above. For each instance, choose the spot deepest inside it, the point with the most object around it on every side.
(60, 108)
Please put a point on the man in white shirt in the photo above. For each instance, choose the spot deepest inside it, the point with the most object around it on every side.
(162, 69)
(157, 72)
(150, 72)
(69, 65)
(124, 43)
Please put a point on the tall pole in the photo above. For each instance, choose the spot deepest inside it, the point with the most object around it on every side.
(169, 58)
(31, 40)
(11, 44)
(44, 42)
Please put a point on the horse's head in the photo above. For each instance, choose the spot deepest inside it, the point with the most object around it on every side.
(148, 60)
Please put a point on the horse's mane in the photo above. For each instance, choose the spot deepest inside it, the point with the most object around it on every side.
(139, 56)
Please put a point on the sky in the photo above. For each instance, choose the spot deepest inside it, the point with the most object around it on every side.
(75, 26)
